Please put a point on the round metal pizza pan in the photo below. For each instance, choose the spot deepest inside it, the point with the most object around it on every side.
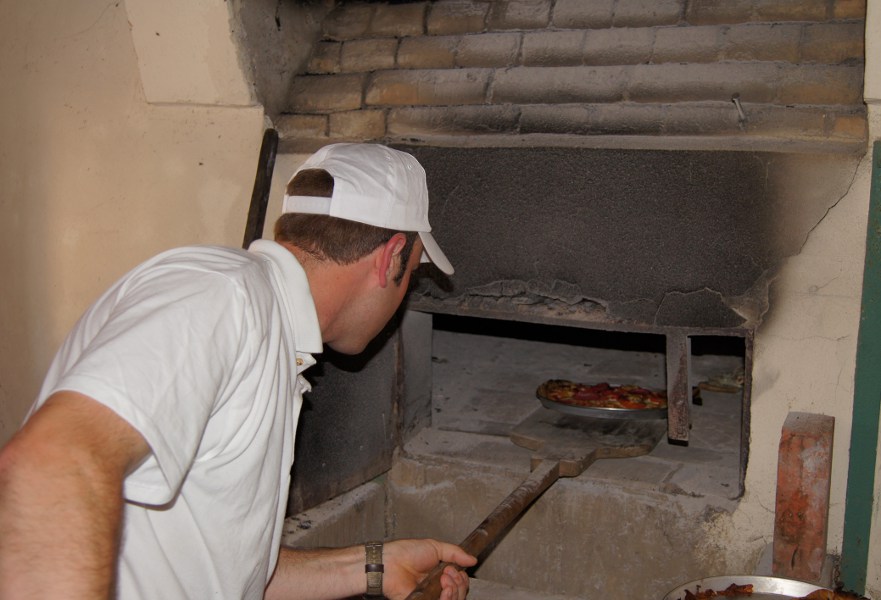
(764, 588)
(604, 413)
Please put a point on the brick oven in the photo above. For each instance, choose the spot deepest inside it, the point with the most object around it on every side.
(617, 183)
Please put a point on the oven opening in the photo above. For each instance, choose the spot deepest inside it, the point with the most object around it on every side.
(485, 373)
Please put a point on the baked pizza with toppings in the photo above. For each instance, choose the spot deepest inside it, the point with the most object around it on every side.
(732, 590)
(602, 395)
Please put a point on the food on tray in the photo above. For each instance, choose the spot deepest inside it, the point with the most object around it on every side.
(747, 590)
(726, 382)
(732, 590)
(602, 395)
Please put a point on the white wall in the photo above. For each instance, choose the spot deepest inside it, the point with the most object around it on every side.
(93, 178)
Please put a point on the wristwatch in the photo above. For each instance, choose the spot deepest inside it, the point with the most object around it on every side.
(374, 569)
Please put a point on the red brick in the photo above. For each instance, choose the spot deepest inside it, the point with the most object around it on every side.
(488, 50)
(802, 507)
(762, 41)
(785, 121)
(457, 16)
(578, 13)
(687, 44)
(791, 10)
(398, 20)
(325, 93)
(821, 85)
(833, 43)
(360, 56)
(849, 126)
(428, 87)
(673, 82)
(458, 120)
(849, 9)
(428, 52)
(553, 48)
(647, 13)
(719, 12)
(361, 125)
(555, 85)
(519, 14)
(618, 46)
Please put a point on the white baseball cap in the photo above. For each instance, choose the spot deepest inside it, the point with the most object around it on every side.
(376, 185)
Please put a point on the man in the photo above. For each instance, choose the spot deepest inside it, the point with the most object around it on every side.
(155, 462)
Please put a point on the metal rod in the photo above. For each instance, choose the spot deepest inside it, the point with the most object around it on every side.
(736, 99)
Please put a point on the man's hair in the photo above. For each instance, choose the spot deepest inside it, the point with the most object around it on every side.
(330, 238)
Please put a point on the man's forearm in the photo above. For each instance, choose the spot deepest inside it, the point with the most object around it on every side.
(340, 573)
(318, 574)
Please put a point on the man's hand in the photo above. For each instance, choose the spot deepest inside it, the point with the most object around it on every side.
(407, 562)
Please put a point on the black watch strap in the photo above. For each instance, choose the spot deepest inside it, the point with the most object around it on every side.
(374, 568)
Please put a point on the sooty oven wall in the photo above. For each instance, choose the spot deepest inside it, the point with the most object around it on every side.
(656, 238)
(626, 240)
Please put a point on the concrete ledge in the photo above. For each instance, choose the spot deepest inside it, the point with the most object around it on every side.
(351, 518)
(446, 484)
(483, 589)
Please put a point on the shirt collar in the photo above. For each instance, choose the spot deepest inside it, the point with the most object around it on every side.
(299, 302)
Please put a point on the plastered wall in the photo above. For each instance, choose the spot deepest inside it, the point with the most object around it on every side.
(94, 178)
(804, 360)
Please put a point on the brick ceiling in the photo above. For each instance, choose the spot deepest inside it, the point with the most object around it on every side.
(755, 73)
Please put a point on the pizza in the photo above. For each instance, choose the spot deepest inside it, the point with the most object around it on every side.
(731, 590)
(602, 395)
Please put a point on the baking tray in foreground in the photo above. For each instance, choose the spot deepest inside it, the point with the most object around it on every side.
(764, 587)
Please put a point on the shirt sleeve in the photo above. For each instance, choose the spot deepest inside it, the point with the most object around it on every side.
(166, 345)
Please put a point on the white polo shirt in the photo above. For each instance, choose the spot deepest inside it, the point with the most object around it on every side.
(201, 349)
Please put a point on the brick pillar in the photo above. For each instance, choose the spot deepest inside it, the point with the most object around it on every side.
(803, 479)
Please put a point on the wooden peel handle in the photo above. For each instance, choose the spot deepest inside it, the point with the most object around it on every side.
(541, 478)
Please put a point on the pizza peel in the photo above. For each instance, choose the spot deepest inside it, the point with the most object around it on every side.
(563, 445)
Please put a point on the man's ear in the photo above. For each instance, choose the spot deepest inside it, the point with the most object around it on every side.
(390, 258)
